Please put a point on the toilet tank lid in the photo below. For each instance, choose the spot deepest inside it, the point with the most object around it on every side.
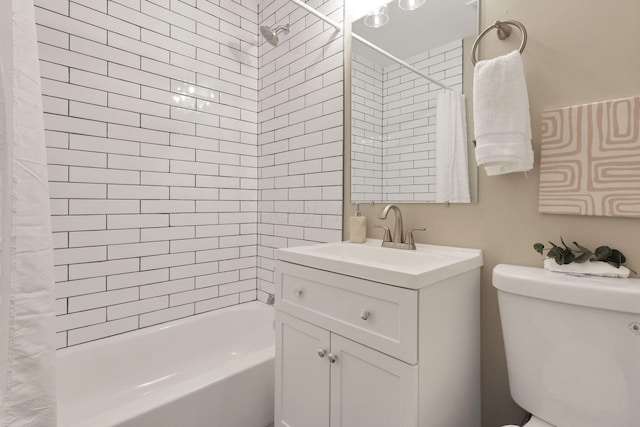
(598, 292)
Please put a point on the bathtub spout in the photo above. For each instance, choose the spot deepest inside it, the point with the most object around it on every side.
(271, 299)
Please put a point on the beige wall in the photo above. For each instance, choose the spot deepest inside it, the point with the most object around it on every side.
(579, 51)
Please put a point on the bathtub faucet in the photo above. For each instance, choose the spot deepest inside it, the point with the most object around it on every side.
(271, 299)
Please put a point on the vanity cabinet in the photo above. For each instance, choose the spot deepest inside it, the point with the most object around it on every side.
(352, 352)
(303, 371)
(327, 380)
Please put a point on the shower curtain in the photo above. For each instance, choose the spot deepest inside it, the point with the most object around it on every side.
(452, 168)
(27, 352)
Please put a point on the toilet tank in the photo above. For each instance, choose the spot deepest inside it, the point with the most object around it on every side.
(572, 346)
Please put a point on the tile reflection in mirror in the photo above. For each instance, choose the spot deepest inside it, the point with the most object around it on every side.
(393, 109)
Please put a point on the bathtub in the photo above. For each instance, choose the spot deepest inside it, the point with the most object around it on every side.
(211, 370)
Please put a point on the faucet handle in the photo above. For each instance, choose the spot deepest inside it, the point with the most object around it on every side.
(409, 236)
(387, 233)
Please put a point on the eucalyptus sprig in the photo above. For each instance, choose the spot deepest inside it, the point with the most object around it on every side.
(563, 254)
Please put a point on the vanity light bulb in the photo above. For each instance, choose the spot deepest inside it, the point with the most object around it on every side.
(410, 4)
(377, 18)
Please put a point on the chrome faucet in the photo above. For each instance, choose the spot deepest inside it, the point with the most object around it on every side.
(397, 231)
(397, 241)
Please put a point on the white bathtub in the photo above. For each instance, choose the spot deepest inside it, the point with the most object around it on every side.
(211, 370)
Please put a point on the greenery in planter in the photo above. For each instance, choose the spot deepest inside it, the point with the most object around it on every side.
(563, 254)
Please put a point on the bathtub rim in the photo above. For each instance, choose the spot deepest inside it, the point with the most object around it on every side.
(123, 410)
(147, 403)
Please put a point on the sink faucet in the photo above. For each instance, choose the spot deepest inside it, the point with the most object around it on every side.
(397, 231)
(397, 241)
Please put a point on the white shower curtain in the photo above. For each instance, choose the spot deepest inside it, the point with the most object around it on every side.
(452, 168)
(27, 352)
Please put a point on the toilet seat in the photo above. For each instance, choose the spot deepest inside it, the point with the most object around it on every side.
(537, 422)
(533, 422)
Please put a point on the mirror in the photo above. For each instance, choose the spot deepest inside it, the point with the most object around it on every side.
(393, 107)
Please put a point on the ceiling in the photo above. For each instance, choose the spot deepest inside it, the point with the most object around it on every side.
(408, 33)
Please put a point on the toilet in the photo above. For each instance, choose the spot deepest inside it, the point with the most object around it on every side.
(572, 346)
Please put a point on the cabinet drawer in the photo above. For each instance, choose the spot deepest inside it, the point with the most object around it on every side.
(380, 316)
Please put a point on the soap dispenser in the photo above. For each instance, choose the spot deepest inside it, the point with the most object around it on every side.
(357, 227)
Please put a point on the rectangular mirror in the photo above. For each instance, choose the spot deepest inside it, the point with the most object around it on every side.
(400, 62)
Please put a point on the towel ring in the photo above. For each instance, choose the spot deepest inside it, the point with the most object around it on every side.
(504, 31)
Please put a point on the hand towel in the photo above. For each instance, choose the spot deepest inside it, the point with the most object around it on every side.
(501, 115)
(452, 167)
(589, 268)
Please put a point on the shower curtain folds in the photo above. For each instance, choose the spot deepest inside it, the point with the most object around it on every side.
(27, 351)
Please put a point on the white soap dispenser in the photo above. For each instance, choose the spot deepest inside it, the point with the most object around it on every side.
(358, 227)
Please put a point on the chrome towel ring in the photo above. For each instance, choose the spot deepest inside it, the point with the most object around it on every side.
(504, 31)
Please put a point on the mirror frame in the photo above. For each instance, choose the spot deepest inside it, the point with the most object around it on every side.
(467, 89)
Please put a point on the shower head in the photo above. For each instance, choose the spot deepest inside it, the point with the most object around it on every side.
(271, 34)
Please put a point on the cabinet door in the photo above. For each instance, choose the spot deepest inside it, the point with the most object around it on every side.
(302, 373)
(371, 389)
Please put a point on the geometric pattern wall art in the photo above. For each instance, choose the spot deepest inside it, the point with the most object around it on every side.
(590, 159)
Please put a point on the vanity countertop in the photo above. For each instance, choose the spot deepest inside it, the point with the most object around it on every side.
(426, 265)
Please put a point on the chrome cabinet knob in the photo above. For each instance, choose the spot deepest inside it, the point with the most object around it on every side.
(297, 292)
(365, 315)
(332, 358)
(321, 353)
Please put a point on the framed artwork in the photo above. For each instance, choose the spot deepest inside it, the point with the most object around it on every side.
(590, 159)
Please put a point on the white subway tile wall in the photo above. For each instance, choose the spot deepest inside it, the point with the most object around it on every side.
(406, 128)
(183, 150)
(300, 132)
(366, 129)
(152, 132)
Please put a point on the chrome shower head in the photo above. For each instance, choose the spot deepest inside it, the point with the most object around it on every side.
(271, 34)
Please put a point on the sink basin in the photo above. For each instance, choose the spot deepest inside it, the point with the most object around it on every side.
(409, 269)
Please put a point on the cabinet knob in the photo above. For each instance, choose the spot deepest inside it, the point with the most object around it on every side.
(365, 314)
(297, 292)
(332, 358)
(322, 352)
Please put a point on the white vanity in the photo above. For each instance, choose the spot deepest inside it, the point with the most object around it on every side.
(377, 337)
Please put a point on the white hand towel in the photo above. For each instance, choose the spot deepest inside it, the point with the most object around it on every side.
(501, 115)
(589, 268)
(452, 167)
